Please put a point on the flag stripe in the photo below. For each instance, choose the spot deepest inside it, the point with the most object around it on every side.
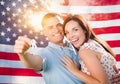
(7, 79)
(116, 50)
(107, 30)
(114, 43)
(11, 63)
(108, 37)
(7, 56)
(18, 72)
(118, 58)
(118, 65)
(15, 61)
(92, 3)
(85, 9)
(104, 23)
(102, 16)
(99, 16)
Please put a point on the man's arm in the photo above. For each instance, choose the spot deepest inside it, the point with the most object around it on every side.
(22, 44)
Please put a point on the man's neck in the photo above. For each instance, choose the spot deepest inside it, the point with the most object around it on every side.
(61, 43)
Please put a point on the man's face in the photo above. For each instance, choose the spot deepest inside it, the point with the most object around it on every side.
(53, 30)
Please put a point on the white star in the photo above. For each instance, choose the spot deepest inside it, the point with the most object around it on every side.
(24, 16)
(46, 38)
(36, 37)
(2, 34)
(32, 1)
(19, 30)
(25, 26)
(24, 5)
(3, 13)
(14, 4)
(41, 42)
(8, 29)
(36, 7)
(19, 0)
(9, 19)
(14, 25)
(3, 23)
(41, 33)
(19, 21)
(8, 39)
(25, 35)
(8, 8)
(2, 3)
(13, 14)
(14, 35)
(19, 10)
(30, 32)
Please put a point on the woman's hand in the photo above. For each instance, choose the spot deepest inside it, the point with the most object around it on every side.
(116, 78)
(69, 64)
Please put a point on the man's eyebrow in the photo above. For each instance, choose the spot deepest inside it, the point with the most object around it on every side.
(59, 24)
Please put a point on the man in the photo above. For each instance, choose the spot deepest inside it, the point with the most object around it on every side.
(47, 60)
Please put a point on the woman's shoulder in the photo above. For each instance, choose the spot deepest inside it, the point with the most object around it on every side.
(90, 44)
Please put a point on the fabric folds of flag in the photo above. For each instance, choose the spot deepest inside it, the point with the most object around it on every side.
(102, 15)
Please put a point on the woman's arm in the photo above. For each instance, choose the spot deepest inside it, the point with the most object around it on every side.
(97, 73)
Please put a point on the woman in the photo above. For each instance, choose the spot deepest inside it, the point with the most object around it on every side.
(96, 57)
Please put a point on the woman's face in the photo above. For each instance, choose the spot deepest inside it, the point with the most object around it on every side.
(74, 33)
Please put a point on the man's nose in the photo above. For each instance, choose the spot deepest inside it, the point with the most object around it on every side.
(55, 29)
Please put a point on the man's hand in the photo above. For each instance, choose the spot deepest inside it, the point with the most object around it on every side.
(22, 44)
(116, 78)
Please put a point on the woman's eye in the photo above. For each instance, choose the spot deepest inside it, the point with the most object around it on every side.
(75, 29)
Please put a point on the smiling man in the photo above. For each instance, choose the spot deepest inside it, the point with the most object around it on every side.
(47, 60)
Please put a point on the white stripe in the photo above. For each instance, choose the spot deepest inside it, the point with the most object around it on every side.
(21, 79)
(107, 23)
(6, 48)
(11, 64)
(116, 50)
(85, 9)
(118, 64)
(109, 37)
(106, 37)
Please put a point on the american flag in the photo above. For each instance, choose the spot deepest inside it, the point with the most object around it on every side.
(15, 20)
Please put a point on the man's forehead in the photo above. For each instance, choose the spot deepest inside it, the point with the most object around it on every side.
(52, 21)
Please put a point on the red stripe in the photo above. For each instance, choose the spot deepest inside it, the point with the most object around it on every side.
(102, 16)
(105, 30)
(115, 43)
(9, 56)
(117, 57)
(91, 3)
(18, 72)
(97, 17)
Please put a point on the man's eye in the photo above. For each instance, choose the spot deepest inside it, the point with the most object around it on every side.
(60, 24)
(66, 33)
(50, 27)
